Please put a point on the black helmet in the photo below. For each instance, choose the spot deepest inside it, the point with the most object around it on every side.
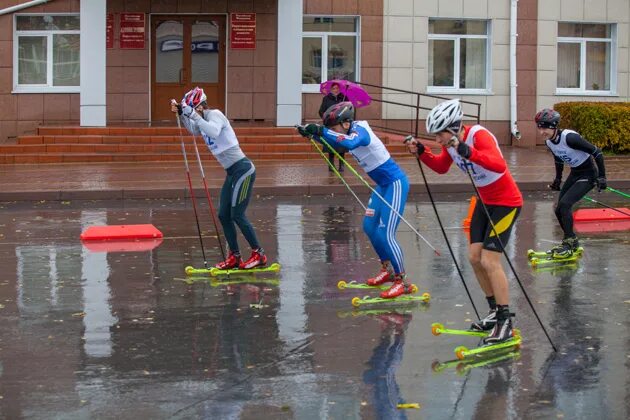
(338, 113)
(547, 118)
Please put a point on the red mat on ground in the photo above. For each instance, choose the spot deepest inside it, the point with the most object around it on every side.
(118, 232)
(591, 215)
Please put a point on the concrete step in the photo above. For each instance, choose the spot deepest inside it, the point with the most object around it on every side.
(23, 158)
(152, 131)
(115, 139)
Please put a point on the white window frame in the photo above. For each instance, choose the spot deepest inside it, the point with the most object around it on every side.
(48, 87)
(582, 91)
(314, 87)
(456, 65)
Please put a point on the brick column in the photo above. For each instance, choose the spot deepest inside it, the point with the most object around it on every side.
(526, 68)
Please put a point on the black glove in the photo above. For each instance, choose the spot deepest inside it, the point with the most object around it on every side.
(463, 150)
(420, 149)
(601, 184)
(555, 185)
(314, 129)
(302, 131)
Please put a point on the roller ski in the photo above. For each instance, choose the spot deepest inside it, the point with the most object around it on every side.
(502, 336)
(406, 298)
(568, 251)
(257, 263)
(214, 271)
(439, 329)
(462, 367)
(342, 285)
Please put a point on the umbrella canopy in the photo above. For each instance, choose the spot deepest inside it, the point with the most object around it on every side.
(353, 92)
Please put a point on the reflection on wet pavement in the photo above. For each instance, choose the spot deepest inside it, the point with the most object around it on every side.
(126, 334)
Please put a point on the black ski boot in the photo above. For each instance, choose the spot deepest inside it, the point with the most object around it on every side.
(566, 248)
(487, 323)
(502, 330)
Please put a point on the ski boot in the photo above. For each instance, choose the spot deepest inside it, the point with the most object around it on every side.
(565, 249)
(233, 261)
(502, 330)
(400, 287)
(485, 324)
(385, 275)
(257, 259)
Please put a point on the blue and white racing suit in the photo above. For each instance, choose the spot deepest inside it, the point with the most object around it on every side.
(380, 222)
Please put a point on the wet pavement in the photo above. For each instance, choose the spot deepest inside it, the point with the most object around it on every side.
(124, 335)
(532, 169)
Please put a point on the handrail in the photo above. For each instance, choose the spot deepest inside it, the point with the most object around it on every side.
(417, 107)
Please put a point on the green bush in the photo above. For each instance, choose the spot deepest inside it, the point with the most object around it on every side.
(605, 124)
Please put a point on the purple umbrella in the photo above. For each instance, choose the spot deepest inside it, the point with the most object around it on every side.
(353, 92)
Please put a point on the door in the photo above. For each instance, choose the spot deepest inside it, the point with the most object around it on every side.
(176, 70)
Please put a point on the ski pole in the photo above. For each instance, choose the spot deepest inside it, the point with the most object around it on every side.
(336, 172)
(587, 198)
(485, 209)
(367, 184)
(205, 185)
(617, 192)
(448, 244)
(192, 193)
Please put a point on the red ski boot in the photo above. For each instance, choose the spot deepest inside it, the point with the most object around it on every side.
(386, 274)
(400, 287)
(258, 259)
(233, 260)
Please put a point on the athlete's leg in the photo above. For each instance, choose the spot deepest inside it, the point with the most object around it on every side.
(396, 195)
(503, 219)
(243, 186)
(478, 227)
(371, 222)
(225, 214)
(571, 194)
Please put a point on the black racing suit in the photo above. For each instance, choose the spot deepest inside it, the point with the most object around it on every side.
(580, 181)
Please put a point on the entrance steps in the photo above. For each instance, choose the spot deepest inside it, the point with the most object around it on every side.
(136, 144)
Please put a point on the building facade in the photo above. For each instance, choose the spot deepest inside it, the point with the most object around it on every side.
(118, 62)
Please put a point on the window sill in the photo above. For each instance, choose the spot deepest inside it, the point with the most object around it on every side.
(46, 89)
(585, 93)
(442, 91)
(310, 89)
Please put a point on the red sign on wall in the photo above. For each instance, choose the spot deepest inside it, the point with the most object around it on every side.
(243, 31)
(109, 30)
(132, 30)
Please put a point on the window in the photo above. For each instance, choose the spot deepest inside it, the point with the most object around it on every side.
(585, 58)
(338, 38)
(458, 56)
(46, 53)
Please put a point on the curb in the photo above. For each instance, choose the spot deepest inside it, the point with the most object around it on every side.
(261, 191)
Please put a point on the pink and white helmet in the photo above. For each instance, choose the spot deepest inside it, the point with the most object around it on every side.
(446, 116)
(194, 97)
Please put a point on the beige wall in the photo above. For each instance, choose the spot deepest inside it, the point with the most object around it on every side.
(595, 11)
(371, 12)
(405, 50)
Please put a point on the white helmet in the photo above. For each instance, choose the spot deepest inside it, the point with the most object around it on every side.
(445, 116)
